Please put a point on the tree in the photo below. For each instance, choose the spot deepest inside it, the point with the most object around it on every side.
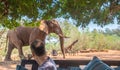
(101, 12)
(113, 31)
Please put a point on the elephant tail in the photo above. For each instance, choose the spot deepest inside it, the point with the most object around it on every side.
(6, 42)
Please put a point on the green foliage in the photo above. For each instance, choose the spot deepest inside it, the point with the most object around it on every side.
(112, 32)
(101, 12)
(52, 42)
(98, 40)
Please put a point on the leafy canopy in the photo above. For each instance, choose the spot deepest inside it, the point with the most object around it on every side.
(101, 12)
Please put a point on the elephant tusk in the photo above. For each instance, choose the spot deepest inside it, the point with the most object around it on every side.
(63, 36)
(66, 37)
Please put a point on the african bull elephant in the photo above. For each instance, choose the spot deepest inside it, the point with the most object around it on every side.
(23, 36)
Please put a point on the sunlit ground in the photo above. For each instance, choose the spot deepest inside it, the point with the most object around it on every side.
(105, 55)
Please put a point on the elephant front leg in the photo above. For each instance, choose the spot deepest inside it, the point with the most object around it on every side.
(9, 51)
(21, 55)
(19, 46)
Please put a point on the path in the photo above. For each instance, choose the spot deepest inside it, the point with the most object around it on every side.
(110, 55)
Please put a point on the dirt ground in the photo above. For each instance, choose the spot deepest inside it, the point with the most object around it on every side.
(106, 55)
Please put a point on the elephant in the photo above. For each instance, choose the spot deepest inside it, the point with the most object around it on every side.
(16, 39)
(24, 36)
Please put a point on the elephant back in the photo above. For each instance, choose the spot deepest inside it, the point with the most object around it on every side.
(37, 34)
(23, 34)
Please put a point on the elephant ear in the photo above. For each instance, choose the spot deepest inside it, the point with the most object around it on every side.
(43, 26)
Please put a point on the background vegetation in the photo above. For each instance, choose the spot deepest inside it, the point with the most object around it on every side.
(14, 13)
(96, 39)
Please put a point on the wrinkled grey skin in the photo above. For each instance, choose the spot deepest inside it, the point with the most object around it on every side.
(23, 36)
(17, 39)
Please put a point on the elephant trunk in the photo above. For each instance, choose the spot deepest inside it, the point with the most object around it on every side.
(62, 45)
(54, 27)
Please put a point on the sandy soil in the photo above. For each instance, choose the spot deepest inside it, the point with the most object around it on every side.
(109, 55)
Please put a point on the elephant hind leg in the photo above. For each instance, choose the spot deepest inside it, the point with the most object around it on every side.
(18, 44)
(9, 51)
